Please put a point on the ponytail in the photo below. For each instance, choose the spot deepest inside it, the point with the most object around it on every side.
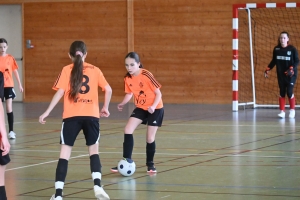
(77, 50)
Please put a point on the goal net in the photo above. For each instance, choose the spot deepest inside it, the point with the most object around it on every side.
(258, 31)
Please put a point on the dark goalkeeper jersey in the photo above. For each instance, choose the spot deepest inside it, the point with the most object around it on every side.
(284, 58)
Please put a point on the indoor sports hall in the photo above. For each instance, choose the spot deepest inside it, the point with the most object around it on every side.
(221, 137)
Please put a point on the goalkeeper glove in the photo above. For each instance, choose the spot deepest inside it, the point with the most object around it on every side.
(290, 72)
(267, 72)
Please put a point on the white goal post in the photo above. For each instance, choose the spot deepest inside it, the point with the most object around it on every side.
(256, 27)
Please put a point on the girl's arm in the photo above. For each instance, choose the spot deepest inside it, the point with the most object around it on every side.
(108, 92)
(158, 96)
(127, 97)
(16, 73)
(57, 96)
(5, 145)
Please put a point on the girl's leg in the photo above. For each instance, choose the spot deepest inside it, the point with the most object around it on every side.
(128, 143)
(151, 148)
(96, 172)
(2, 182)
(10, 118)
(61, 169)
(128, 139)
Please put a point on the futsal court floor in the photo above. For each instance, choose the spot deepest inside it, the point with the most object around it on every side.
(203, 152)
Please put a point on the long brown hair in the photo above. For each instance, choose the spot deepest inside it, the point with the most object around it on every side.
(77, 50)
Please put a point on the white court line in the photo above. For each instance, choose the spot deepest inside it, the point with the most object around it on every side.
(175, 154)
(180, 124)
(42, 163)
(217, 155)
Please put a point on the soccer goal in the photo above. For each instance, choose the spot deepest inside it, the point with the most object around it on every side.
(256, 28)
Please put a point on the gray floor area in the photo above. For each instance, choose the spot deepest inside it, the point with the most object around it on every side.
(203, 152)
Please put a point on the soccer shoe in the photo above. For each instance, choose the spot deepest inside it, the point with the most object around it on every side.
(281, 114)
(100, 194)
(114, 169)
(12, 135)
(292, 113)
(151, 168)
(57, 198)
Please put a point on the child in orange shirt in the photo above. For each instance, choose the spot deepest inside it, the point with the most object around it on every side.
(4, 144)
(78, 83)
(149, 110)
(8, 66)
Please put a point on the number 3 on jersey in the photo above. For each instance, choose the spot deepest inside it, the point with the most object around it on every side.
(85, 88)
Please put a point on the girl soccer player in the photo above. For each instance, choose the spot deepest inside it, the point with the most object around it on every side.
(149, 110)
(8, 65)
(4, 144)
(78, 83)
(285, 57)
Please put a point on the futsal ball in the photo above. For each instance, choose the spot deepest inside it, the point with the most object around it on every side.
(126, 167)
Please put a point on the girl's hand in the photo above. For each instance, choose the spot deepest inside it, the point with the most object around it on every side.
(120, 107)
(151, 109)
(5, 147)
(42, 118)
(21, 88)
(104, 112)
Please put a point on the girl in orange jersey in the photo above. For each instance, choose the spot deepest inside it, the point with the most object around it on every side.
(78, 83)
(8, 65)
(149, 110)
(4, 144)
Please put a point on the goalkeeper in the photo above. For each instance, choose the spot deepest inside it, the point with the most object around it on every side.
(285, 57)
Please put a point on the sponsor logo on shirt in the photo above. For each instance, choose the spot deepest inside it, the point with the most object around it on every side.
(79, 100)
(283, 58)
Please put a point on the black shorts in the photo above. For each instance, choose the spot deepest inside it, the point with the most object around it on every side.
(72, 126)
(1, 86)
(9, 93)
(154, 119)
(4, 160)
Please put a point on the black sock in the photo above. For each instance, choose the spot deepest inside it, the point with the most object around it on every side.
(2, 193)
(96, 169)
(60, 176)
(128, 146)
(150, 151)
(10, 119)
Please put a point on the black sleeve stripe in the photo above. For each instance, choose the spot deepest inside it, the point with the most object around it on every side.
(57, 80)
(152, 79)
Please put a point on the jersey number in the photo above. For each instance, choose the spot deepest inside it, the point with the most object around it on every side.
(85, 88)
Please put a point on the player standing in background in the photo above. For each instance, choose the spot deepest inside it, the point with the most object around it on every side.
(285, 57)
(4, 144)
(149, 110)
(8, 66)
(78, 83)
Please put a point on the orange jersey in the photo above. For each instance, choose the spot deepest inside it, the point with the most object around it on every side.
(86, 103)
(143, 87)
(7, 65)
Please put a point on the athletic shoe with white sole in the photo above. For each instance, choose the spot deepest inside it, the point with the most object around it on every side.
(12, 135)
(57, 198)
(281, 114)
(292, 113)
(150, 167)
(100, 194)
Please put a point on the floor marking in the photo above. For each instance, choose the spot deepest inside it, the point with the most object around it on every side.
(43, 163)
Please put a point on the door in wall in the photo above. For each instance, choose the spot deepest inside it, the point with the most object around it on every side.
(11, 30)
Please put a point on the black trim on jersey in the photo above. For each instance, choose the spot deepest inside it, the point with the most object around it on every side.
(58, 77)
(152, 79)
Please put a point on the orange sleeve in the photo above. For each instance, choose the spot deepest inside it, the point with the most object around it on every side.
(101, 80)
(62, 80)
(127, 89)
